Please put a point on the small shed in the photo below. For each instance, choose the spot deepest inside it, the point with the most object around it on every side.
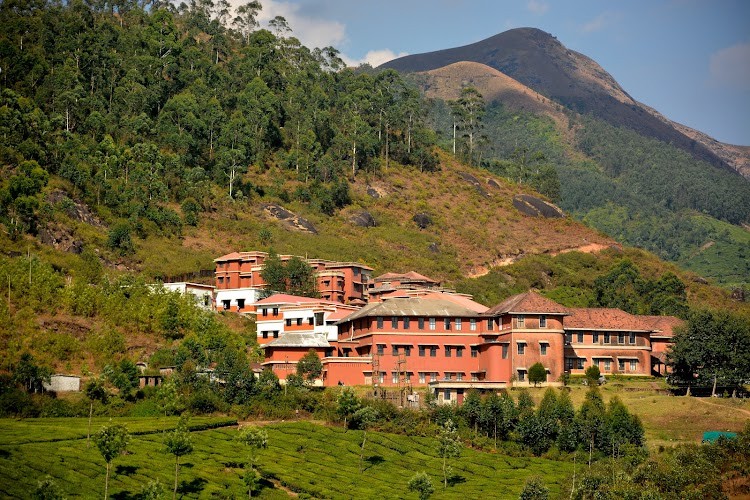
(713, 436)
(63, 383)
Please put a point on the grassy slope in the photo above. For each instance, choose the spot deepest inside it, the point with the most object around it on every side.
(307, 458)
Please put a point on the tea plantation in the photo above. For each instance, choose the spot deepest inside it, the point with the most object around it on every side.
(304, 458)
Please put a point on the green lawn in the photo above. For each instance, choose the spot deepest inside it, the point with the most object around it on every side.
(310, 459)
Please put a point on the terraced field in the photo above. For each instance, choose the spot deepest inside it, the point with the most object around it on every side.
(302, 458)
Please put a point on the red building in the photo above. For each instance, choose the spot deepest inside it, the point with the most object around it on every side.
(239, 281)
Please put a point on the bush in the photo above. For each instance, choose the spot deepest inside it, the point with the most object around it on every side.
(119, 239)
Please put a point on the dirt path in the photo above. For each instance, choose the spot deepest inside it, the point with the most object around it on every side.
(741, 410)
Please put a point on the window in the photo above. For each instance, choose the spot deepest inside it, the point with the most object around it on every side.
(299, 321)
(406, 323)
(380, 322)
(447, 351)
(447, 395)
(221, 280)
(543, 348)
(474, 377)
(474, 351)
(289, 322)
(580, 338)
(505, 351)
(521, 347)
(447, 323)
(606, 338)
(319, 318)
(632, 337)
(633, 365)
(240, 303)
(595, 338)
(520, 321)
(394, 350)
(473, 325)
(264, 311)
(542, 321)
(621, 365)
(421, 378)
(381, 349)
(459, 352)
(433, 351)
(568, 338)
(407, 350)
(394, 322)
(381, 377)
(620, 338)
(448, 375)
(226, 304)
(420, 323)
(607, 364)
(276, 334)
(490, 324)
(521, 375)
(459, 376)
(311, 321)
(574, 363)
(265, 335)
(458, 323)
(432, 323)
(275, 311)
(421, 350)
(394, 377)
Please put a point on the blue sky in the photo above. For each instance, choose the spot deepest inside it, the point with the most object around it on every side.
(688, 59)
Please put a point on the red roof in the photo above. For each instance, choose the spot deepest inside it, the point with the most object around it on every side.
(527, 303)
(411, 275)
(601, 318)
(664, 325)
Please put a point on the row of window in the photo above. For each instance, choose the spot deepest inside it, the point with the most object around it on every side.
(265, 334)
(448, 323)
(226, 304)
(605, 363)
(264, 311)
(606, 337)
(450, 350)
(424, 377)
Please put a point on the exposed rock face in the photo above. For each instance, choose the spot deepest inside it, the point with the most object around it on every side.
(290, 219)
(493, 183)
(474, 182)
(534, 207)
(61, 238)
(74, 209)
(377, 192)
(422, 220)
(363, 219)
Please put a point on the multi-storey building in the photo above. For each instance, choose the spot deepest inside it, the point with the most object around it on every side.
(450, 343)
(239, 283)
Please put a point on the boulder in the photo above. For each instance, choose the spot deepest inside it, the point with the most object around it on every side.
(290, 219)
(363, 219)
(422, 220)
(536, 207)
(474, 182)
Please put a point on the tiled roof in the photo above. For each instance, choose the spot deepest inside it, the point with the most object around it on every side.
(527, 303)
(294, 339)
(663, 325)
(412, 307)
(411, 275)
(601, 318)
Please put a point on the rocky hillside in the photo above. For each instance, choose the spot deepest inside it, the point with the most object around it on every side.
(539, 61)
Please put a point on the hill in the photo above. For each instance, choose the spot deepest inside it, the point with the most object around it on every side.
(538, 60)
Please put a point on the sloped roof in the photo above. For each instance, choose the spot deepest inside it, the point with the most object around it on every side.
(601, 318)
(283, 298)
(527, 303)
(411, 275)
(294, 339)
(461, 300)
(412, 307)
(664, 325)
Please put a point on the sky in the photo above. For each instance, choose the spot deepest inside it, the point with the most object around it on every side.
(688, 59)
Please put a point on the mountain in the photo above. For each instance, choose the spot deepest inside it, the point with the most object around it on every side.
(539, 61)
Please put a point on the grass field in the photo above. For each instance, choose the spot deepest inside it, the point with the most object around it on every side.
(310, 459)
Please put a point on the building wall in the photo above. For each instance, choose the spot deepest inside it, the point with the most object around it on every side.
(592, 347)
(239, 299)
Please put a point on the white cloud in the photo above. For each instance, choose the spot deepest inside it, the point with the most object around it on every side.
(537, 7)
(600, 22)
(374, 58)
(311, 31)
(730, 67)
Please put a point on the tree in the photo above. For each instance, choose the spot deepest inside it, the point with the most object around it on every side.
(711, 350)
(310, 367)
(30, 375)
(422, 485)
(255, 439)
(472, 408)
(179, 444)
(591, 420)
(47, 489)
(592, 375)
(537, 374)
(468, 111)
(449, 446)
(347, 404)
(274, 273)
(534, 489)
(112, 440)
(300, 278)
(364, 417)
(94, 391)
